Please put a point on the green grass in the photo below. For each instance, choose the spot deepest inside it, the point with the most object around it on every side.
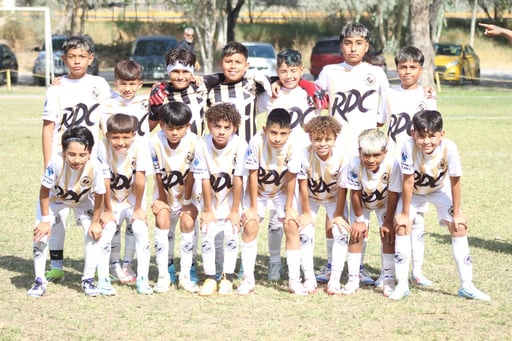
(478, 120)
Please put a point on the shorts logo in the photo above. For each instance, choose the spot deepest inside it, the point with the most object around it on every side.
(400, 258)
(86, 181)
(369, 80)
(95, 93)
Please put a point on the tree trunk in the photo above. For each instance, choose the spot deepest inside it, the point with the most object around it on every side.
(420, 35)
(233, 14)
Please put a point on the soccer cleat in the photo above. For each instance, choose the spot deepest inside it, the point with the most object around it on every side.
(401, 291)
(388, 286)
(351, 286)
(245, 288)
(225, 287)
(310, 285)
(54, 275)
(333, 288)
(379, 282)
(365, 278)
(325, 274)
(38, 288)
(144, 288)
(296, 288)
(187, 284)
(421, 281)
(472, 292)
(172, 273)
(209, 288)
(193, 275)
(274, 272)
(105, 287)
(129, 273)
(90, 289)
(117, 274)
(162, 284)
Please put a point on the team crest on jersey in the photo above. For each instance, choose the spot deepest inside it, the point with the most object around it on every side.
(384, 178)
(335, 175)
(422, 106)
(369, 79)
(189, 157)
(133, 163)
(443, 165)
(144, 106)
(353, 175)
(95, 93)
(86, 181)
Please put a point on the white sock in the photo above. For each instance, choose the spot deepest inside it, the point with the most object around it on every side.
(161, 250)
(142, 248)
(339, 253)
(275, 239)
(115, 248)
(353, 263)
(418, 245)
(91, 252)
(186, 251)
(105, 246)
(402, 258)
(171, 238)
(388, 265)
(208, 250)
(460, 251)
(56, 241)
(307, 249)
(293, 262)
(230, 249)
(249, 253)
(329, 243)
(130, 243)
(40, 250)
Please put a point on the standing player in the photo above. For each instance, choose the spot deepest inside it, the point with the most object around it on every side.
(73, 102)
(218, 166)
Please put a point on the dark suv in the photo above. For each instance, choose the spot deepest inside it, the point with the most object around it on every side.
(327, 51)
(150, 51)
(8, 61)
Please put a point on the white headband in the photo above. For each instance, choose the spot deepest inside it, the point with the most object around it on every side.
(180, 66)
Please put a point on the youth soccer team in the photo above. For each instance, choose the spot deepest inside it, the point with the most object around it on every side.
(217, 176)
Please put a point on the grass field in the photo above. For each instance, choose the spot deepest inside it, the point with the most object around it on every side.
(477, 119)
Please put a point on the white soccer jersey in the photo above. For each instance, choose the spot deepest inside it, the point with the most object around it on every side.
(173, 165)
(374, 186)
(220, 167)
(272, 164)
(322, 176)
(431, 171)
(354, 98)
(121, 168)
(73, 188)
(75, 102)
(401, 105)
(137, 106)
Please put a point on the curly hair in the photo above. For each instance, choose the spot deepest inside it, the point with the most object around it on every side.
(322, 126)
(223, 112)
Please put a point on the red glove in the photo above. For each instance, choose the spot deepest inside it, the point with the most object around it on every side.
(158, 94)
(316, 96)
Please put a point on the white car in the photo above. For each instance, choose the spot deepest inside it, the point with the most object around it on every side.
(262, 57)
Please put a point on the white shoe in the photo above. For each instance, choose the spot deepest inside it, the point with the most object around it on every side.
(245, 288)
(38, 288)
(106, 288)
(421, 281)
(162, 284)
(186, 284)
(401, 291)
(351, 286)
(333, 288)
(472, 292)
(310, 285)
(388, 286)
(296, 287)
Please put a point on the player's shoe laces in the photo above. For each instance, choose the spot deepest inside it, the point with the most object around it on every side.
(143, 286)
(225, 287)
(162, 284)
(90, 289)
(472, 292)
(296, 288)
(325, 274)
(193, 275)
(38, 288)
(421, 281)
(365, 278)
(129, 273)
(401, 291)
(54, 275)
(388, 285)
(333, 288)
(310, 285)
(117, 274)
(186, 283)
(172, 273)
(209, 288)
(105, 287)
(246, 287)
(351, 286)
(274, 272)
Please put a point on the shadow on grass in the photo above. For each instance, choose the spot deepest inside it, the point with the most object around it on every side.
(490, 245)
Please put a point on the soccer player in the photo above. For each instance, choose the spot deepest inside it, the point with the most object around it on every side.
(401, 103)
(355, 91)
(271, 159)
(126, 162)
(73, 102)
(431, 171)
(374, 181)
(74, 180)
(172, 151)
(218, 166)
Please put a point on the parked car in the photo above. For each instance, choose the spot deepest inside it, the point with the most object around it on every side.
(262, 57)
(59, 68)
(150, 51)
(327, 51)
(456, 63)
(8, 61)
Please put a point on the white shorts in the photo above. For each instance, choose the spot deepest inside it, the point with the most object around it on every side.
(441, 199)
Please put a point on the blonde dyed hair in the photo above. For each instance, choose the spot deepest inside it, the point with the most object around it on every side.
(372, 141)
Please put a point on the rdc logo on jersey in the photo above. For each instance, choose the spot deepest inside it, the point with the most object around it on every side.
(369, 79)
(95, 93)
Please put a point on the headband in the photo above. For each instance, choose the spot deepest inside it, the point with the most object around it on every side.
(180, 66)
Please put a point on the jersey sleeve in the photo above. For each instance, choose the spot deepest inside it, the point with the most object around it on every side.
(155, 145)
(99, 180)
(294, 163)
(143, 162)
(102, 159)
(304, 166)
(395, 178)
(252, 157)
(200, 165)
(51, 172)
(51, 107)
(454, 164)
(406, 158)
(240, 159)
(351, 174)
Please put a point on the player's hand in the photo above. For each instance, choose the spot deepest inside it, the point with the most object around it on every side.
(387, 232)
(190, 210)
(292, 216)
(429, 93)
(403, 223)
(107, 216)
(42, 229)
(159, 205)
(199, 80)
(250, 214)
(316, 96)
(158, 94)
(491, 30)
(95, 230)
(234, 218)
(460, 222)
(207, 217)
(56, 81)
(276, 87)
(139, 214)
(342, 224)
(359, 231)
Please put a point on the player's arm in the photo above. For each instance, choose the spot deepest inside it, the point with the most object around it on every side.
(43, 228)
(359, 229)
(402, 219)
(95, 228)
(494, 30)
(47, 140)
(459, 219)
(139, 185)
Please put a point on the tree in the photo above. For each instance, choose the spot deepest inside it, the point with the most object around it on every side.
(420, 36)
(232, 16)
